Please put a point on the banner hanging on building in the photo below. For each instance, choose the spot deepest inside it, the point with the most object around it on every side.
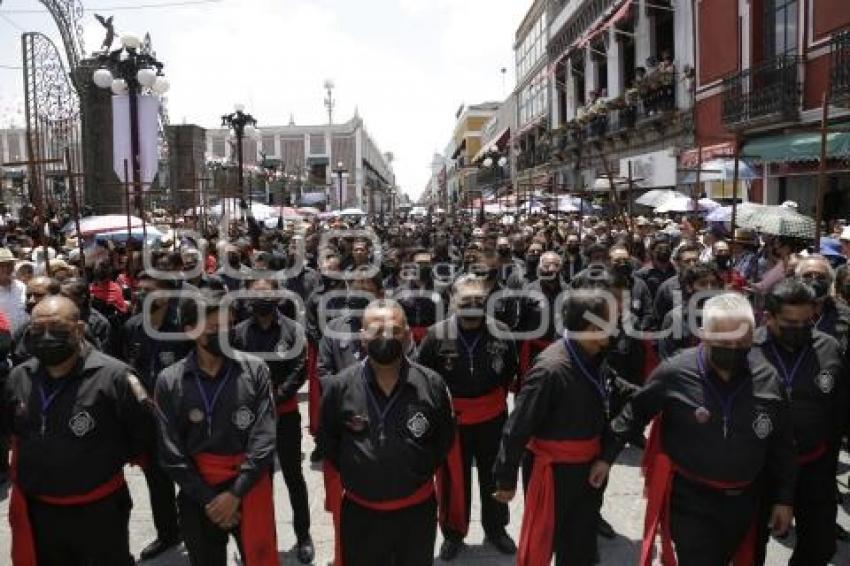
(148, 137)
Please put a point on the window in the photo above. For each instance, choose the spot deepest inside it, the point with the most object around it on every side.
(534, 99)
(532, 48)
(218, 147)
(268, 145)
(780, 28)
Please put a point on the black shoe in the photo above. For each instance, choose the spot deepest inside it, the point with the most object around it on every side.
(605, 529)
(306, 552)
(503, 543)
(450, 549)
(158, 546)
(316, 456)
(840, 533)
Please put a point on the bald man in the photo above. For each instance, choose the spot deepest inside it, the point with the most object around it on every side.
(75, 415)
(386, 426)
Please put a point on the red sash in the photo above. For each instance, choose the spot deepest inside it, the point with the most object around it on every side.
(259, 537)
(450, 489)
(660, 472)
(334, 494)
(650, 359)
(23, 542)
(314, 388)
(809, 457)
(289, 406)
(538, 520)
(527, 351)
(418, 333)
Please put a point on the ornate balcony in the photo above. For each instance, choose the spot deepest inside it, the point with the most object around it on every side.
(839, 86)
(769, 92)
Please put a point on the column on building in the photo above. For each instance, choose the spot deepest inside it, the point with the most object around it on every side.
(358, 172)
(614, 60)
(683, 41)
(572, 103)
(645, 33)
(589, 72)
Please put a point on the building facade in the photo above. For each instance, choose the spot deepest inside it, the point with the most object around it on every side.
(465, 143)
(765, 69)
(306, 161)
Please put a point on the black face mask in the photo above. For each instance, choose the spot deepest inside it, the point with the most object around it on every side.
(531, 262)
(214, 345)
(796, 337)
(623, 270)
(493, 274)
(263, 307)
(819, 286)
(424, 272)
(728, 359)
(233, 262)
(101, 273)
(358, 303)
(723, 261)
(845, 290)
(51, 348)
(573, 248)
(385, 351)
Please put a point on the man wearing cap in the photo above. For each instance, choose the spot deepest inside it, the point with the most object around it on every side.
(724, 425)
(387, 425)
(12, 292)
(745, 248)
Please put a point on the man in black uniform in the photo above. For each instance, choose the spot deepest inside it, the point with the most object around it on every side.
(669, 294)
(149, 356)
(283, 344)
(679, 324)
(726, 425)
(37, 289)
(76, 416)
(98, 329)
(478, 367)
(662, 268)
(386, 427)
(810, 365)
(833, 317)
(559, 417)
(217, 441)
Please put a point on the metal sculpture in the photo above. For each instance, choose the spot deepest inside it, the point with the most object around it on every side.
(110, 32)
(68, 15)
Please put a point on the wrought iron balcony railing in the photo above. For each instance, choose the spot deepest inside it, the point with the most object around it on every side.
(769, 91)
(839, 91)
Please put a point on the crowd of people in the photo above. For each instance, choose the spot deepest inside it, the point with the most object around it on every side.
(187, 358)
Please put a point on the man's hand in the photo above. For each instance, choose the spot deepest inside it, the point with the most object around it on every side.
(223, 510)
(504, 495)
(780, 520)
(599, 473)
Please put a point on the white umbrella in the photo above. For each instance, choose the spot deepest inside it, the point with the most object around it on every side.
(657, 197)
(352, 212)
(103, 223)
(686, 204)
(603, 184)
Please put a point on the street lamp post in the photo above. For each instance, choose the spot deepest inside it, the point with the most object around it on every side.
(340, 171)
(132, 70)
(241, 123)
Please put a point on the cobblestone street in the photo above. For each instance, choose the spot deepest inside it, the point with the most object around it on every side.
(623, 509)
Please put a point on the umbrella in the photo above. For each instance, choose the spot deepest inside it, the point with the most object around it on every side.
(657, 197)
(686, 204)
(136, 233)
(352, 212)
(575, 204)
(104, 223)
(724, 213)
(308, 211)
(777, 221)
(603, 184)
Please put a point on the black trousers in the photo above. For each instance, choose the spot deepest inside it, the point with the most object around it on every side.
(289, 456)
(394, 538)
(481, 443)
(815, 509)
(96, 534)
(577, 506)
(163, 498)
(708, 525)
(205, 542)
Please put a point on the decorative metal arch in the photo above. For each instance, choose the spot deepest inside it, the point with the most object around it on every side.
(68, 15)
(53, 122)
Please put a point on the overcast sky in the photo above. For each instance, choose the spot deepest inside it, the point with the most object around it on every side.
(406, 64)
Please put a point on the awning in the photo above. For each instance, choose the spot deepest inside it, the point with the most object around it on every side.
(606, 22)
(493, 145)
(797, 147)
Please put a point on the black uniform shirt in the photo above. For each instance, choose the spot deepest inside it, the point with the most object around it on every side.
(447, 350)
(758, 435)
(557, 402)
(287, 375)
(150, 356)
(91, 425)
(389, 462)
(654, 277)
(817, 388)
(242, 421)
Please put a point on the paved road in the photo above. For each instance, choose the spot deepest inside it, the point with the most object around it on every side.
(624, 506)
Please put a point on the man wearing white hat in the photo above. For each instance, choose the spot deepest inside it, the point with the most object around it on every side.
(12, 292)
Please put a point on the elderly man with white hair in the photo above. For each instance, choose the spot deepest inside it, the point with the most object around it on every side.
(831, 316)
(723, 423)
